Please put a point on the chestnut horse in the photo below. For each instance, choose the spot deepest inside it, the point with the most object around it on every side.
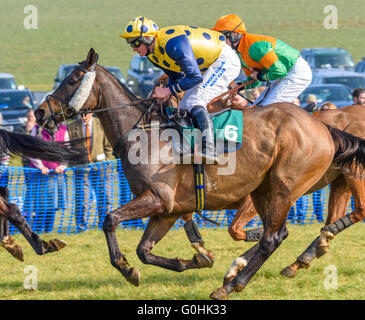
(285, 152)
(32, 147)
(343, 185)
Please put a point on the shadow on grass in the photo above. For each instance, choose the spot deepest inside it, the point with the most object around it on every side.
(61, 285)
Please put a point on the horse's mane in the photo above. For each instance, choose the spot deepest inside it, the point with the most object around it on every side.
(125, 89)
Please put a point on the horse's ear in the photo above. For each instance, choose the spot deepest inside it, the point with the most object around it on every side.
(92, 58)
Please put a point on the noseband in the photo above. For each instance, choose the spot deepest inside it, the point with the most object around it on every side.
(68, 111)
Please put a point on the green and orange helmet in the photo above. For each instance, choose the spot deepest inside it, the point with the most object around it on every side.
(230, 24)
(138, 29)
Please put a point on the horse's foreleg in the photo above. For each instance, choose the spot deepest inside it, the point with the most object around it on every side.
(14, 216)
(256, 256)
(6, 241)
(239, 263)
(273, 206)
(340, 195)
(196, 240)
(156, 229)
(328, 232)
(245, 213)
(145, 205)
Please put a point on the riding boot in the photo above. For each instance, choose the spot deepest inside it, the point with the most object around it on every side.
(206, 151)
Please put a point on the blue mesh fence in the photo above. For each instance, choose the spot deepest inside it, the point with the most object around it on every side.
(80, 198)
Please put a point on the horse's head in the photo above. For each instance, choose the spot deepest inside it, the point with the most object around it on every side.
(78, 92)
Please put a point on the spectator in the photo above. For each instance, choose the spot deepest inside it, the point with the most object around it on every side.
(311, 101)
(26, 102)
(358, 95)
(96, 177)
(317, 205)
(298, 216)
(45, 205)
(311, 98)
(27, 127)
(4, 164)
(30, 176)
(328, 106)
(317, 195)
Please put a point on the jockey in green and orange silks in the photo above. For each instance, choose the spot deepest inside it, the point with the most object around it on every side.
(264, 58)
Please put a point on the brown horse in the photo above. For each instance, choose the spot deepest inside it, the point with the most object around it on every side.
(26, 145)
(350, 119)
(286, 151)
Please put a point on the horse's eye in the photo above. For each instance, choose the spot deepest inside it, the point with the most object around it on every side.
(72, 81)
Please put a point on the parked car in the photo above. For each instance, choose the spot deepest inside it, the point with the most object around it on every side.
(14, 105)
(142, 76)
(39, 97)
(327, 58)
(7, 81)
(350, 79)
(338, 94)
(65, 69)
(360, 67)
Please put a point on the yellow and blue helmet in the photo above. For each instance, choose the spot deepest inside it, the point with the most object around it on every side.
(140, 27)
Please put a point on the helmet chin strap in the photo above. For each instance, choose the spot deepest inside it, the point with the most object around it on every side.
(235, 41)
(148, 46)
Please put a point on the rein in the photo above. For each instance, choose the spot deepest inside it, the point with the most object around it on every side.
(231, 91)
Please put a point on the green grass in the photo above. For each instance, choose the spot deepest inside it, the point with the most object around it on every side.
(82, 269)
(68, 28)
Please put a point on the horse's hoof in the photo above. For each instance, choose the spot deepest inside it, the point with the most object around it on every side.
(16, 251)
(203, 261)
(58, 244)
(13, 248)
(289, 272)
(134, 276)
(219, 294)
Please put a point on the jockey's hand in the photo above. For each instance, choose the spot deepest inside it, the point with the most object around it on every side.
(253, 74)
(238, 101)
(44, 170)
(161, 93)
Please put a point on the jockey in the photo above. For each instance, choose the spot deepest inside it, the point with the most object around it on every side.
(198, 61)
(265, 58)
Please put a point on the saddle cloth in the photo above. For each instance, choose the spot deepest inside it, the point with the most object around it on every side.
(228, 128)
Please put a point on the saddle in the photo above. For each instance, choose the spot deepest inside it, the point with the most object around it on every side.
(181, 121)
(223, 121)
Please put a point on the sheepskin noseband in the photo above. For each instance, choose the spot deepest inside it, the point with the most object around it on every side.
(83, 91)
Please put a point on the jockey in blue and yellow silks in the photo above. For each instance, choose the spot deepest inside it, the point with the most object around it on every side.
(198, 61)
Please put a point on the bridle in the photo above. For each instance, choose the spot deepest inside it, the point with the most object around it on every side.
(68, 111)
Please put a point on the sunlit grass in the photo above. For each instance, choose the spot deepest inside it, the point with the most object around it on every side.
(82, 269)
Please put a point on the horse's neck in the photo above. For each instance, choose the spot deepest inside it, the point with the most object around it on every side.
(118, 122)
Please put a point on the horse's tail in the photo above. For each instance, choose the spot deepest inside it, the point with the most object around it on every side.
(70, 153)
(350, 151)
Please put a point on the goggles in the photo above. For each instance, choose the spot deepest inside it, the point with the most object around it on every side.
(134, 42)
